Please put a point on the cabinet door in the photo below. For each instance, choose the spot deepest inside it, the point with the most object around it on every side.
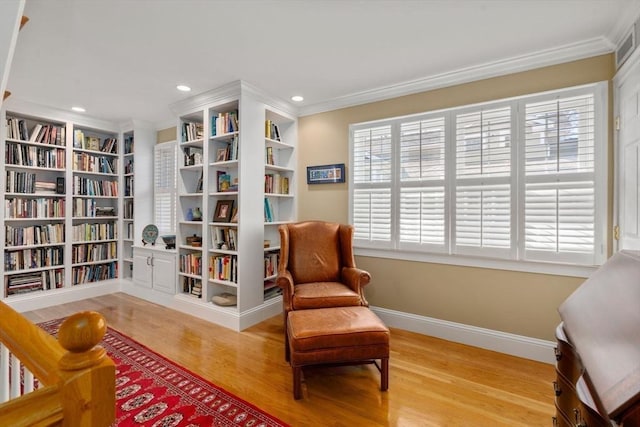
(142, 268)
(164, 273)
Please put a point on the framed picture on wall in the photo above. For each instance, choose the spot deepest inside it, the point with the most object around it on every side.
(325, 174)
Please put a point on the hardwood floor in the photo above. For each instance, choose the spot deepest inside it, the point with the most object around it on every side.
(432, 382)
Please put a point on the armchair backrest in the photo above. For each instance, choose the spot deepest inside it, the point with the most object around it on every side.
(315, 251)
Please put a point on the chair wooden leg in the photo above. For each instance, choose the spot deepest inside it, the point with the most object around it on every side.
(384, 374)
(287, 352)
(297, 380)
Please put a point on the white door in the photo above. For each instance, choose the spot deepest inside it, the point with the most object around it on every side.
(628, 155)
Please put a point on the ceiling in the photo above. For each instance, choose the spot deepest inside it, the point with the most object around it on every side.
(122, 59)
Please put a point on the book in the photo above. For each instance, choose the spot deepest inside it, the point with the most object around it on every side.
(224, 182)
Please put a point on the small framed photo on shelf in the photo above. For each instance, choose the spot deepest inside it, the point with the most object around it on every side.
(221, 155)
(224, 209)
(325, 174)
(234, 217)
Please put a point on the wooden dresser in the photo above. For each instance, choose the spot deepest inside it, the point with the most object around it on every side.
(598, 348)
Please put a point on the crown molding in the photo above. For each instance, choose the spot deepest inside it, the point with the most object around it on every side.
(554, 56)
(622, 26)
(57, 115)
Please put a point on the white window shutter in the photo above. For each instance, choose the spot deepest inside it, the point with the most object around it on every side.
(165, 181)
(559, 219)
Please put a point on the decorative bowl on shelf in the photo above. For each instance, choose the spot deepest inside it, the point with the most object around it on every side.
(169, 241)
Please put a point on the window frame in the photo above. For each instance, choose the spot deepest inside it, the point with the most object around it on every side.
(394, 249)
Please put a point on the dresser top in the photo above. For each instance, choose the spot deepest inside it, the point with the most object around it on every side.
(602, 321)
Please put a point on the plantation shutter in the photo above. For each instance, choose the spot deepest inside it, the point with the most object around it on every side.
(372, 180)
(483, 185)
(559, 163)
(165, 187)
(422, 194)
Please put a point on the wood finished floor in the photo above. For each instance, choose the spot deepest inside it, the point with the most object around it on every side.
(432, 382)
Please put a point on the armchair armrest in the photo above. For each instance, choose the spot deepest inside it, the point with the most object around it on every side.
(356, 279)
(285, 282)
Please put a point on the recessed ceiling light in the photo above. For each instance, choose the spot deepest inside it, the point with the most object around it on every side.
(297, 98)
(78, 109)
(183, 88)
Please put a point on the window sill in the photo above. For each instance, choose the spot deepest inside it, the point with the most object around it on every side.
(468, 261)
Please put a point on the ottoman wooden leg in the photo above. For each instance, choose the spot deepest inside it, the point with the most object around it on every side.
(297, 386)
(384, 374)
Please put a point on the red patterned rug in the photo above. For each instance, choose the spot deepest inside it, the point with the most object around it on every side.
(153, 391)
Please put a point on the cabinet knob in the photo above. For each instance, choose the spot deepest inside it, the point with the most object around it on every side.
(556, 388)
(578, 418)
(558, 353)
(555, 421)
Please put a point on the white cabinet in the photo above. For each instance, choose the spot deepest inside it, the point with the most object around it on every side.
(155, 268)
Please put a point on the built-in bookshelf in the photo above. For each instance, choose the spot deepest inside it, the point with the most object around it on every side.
(280, 134)
(224, 278)
(61, 195)
(191, 167)
(136, 210)
(95, 200)
(128, 205)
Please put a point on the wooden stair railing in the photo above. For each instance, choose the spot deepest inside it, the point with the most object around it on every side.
(23, 21)
(76, 377)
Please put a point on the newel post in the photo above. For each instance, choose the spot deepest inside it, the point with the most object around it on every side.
(88, 388)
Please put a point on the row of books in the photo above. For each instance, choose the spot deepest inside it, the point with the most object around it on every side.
(271, 263)
(94, 273)
(192, 286)
(34, 258)
(128, 186)
(90, 252)
(18, 207)
(128, 209)
(90, 208)
(271, 130)
(97, 231)
(128, 144)
(192, 131)
(191, 263)
(224, 267)
(34, 281)
(20, 182)
(275, 183)
(224, 123)
(268, 210)
(94, 187)
(128, 167)
(94, 143)
(34, 235)
(272, 292)
(225, 237)
(85, 162)
(30, 155)
(41, 133)
(230, 152)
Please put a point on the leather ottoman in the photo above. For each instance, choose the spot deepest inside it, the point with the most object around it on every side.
(338, 335)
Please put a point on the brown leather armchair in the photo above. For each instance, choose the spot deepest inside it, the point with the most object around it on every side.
(317, 268)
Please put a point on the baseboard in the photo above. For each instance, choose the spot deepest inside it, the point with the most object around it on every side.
(43, 299)
(515, 345)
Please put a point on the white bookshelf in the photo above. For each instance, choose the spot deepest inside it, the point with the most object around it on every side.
(243, 169)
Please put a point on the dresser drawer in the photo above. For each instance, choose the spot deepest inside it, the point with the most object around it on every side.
(566, 398)
(586, 413)
(560, 420)
(567, 361)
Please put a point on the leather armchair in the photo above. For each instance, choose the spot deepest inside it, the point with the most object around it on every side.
(317, 267)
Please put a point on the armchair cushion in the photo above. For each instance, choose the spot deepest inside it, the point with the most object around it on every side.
(323, 294)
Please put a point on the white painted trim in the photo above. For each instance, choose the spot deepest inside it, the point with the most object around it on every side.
(503, 342)
(38, 300)
(557, 55)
